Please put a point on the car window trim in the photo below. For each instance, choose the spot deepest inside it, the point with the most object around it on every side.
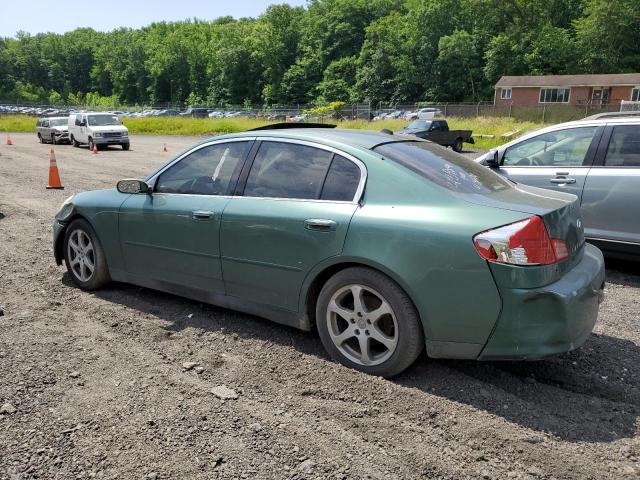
(589, 157)
(239, 193)
(151, 181)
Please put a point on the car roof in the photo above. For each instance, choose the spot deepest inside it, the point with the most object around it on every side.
(365, 139)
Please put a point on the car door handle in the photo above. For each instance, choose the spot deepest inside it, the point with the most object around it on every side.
(202, 215)
(320, 224)
(562, 180)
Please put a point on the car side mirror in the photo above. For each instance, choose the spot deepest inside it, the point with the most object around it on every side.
(132, 186)
(493, 159)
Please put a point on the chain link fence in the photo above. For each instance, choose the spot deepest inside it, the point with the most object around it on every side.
(544, 113)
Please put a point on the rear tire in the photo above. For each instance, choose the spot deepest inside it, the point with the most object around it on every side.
(457, 145)
(383, 322)
(84, 257)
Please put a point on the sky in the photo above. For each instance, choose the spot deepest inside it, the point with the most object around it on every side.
(38, 16)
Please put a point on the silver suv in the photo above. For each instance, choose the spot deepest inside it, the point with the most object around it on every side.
(53, 130)
(596, 159)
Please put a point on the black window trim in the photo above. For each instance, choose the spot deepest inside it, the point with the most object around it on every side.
(244, 175)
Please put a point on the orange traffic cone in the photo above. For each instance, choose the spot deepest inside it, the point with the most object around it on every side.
(164, 147)
(54, 177)
(9, 141)
(95, 149)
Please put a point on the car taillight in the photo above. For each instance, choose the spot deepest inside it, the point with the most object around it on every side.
(522, 243)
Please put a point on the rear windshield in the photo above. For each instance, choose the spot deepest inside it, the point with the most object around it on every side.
(443, 167)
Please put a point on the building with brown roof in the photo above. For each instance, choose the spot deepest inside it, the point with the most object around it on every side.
(536, 90)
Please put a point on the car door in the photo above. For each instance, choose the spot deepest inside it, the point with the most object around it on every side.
(172, 235)
(292, 211)
(559, 160)
(611, 198)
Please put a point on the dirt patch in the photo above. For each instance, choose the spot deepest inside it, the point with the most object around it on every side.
(93, 385)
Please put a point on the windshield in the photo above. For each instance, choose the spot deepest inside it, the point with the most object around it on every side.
(102, 120)
(57, 122)
(443, 167)
(419, 124)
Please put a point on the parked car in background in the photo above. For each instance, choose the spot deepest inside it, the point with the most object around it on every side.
(438, 131)
(99, 129)
(370, 238)
(598, 160)
(195, 112)
(53, 130)
(428, 113)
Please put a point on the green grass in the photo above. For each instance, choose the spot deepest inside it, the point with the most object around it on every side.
(495, 126)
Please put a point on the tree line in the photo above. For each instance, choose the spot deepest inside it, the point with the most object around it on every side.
(330, 50)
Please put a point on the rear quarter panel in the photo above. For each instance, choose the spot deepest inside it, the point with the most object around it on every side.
(421, 236)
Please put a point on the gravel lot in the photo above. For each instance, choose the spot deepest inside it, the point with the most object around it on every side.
(95, 385)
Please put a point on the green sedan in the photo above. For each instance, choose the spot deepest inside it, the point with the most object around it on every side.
(386, 245)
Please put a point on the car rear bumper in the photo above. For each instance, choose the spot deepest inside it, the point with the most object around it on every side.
(557, 318)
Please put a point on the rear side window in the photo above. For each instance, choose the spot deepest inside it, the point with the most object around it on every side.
(624, 147)
(207, 171)
(443, 167)
(287, 170)
(342, 180)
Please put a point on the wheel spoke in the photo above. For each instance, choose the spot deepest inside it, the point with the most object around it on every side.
(365, 354)
(342, 312)
(343, 336)
(89, 263)
(358, 304)
(383, 309)
(74, 245)
(75, 261)
(387, 341)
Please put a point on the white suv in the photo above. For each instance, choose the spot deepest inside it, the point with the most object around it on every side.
(99, 129)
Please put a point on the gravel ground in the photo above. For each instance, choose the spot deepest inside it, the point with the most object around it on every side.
(118, 383)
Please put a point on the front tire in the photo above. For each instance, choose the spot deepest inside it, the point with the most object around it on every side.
(125, 146)
(84, 257)
(53, 139)
(91, 144)
(367, 322)
(40, 139)
(74, 141)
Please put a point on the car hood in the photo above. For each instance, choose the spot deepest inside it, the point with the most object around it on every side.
(61, 128)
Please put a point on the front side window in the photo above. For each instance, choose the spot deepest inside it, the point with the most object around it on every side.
(554, 95)
(207, 171)
(562, 148)
(288, 170)
(624, 147)
(505, 93)
(635, 94)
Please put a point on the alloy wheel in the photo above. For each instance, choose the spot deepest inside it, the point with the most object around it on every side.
(362, 325)
(81, 254)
